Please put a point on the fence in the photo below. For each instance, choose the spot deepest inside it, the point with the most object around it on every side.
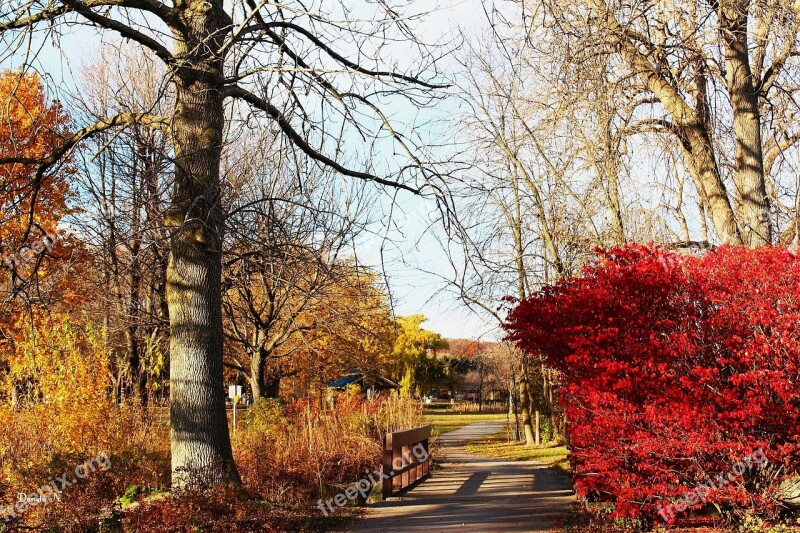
(403, 467)
(159, 415)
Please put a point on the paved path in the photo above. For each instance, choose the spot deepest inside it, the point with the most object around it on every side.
(472, 493)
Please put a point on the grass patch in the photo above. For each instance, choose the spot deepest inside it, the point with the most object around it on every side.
(498, 446)
(444, 422)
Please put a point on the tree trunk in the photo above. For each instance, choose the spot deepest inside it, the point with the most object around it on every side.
(547, 384)
(608, 164)
(262, 383)
(612, 198)
(519, 246)
(272, 387)
(692, 125)
(524, 405)
(201, 447)
(753, 209)
(256, 376)
(131, 332)
(705, 172)
(134, 363)
(512, 403)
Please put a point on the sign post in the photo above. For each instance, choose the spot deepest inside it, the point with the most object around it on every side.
(235, 394)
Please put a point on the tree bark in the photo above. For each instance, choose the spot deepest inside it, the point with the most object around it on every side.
(201, 447)
(608, 165)
(272, 387)
(256, 376)
(612, 198)
(263, 384)
(705, 173)
(753, 209)
(512, 403)
(132, 330)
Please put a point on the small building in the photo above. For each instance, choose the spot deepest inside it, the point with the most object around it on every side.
(368, 384)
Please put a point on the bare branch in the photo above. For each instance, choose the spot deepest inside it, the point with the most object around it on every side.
(152, 6)
(259, 103)
(123, 29)
(267, 28)
(44, 163)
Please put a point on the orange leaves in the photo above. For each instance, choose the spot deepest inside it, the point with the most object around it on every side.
(30, 127)
(56, 372)
(37, 256)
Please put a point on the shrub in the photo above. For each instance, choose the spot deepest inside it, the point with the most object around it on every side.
(675, 368)
(294, 454)
(67, 418)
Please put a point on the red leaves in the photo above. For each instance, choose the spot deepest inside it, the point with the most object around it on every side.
(675, 366)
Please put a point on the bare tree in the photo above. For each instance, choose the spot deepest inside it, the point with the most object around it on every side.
(290, 233)
(123, 193)
(705, 74)
(545, 185)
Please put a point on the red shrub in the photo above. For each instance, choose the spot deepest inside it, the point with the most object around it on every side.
(675, 368)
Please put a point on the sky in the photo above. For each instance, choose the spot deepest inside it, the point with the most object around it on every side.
(412, 248)
(413, 256)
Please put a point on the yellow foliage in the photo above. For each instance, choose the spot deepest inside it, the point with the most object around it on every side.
(61, 366)
(62, 404)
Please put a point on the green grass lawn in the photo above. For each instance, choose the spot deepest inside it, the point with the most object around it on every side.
(443, 422)
(498, 446)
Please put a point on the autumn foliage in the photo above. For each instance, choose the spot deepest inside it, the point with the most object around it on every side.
(289, 455)
(30, 127)
(675, 368)
(39, 262)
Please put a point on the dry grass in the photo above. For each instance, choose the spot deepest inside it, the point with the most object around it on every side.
(289, 455)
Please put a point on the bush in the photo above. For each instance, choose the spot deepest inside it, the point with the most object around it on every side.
(676, 368)
(66, 419)
(294, 454)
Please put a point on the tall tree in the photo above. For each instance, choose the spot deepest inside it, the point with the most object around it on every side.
(40, 261)
(413, 347)
(122, 187)
(289, 234)
(30, 126)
